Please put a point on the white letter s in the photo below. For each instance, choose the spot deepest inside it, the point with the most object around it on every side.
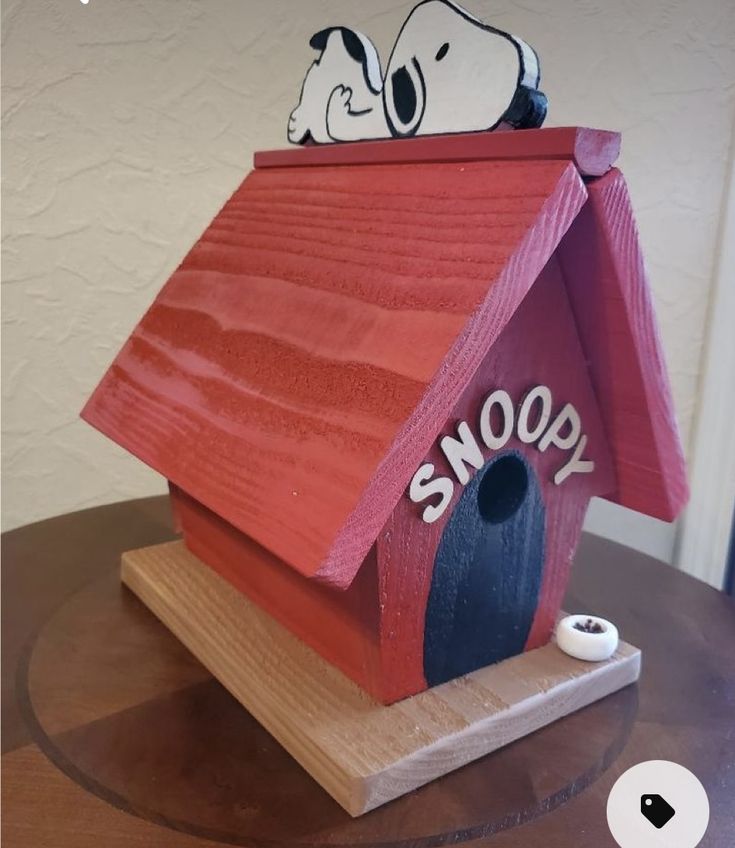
(423, 487)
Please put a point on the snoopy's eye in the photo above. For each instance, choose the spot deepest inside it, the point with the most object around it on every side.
(442, 51)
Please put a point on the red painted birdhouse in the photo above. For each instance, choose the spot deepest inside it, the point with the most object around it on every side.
(386, 381)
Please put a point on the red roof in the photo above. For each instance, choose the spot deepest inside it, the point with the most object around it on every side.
(294, 370)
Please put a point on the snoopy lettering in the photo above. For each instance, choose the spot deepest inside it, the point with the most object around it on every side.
(448, 72)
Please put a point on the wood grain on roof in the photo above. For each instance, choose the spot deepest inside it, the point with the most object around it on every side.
(296, 367)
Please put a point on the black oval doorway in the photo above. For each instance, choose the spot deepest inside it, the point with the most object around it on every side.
(487, 571)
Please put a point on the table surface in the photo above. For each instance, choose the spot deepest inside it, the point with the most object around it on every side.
(114, 735)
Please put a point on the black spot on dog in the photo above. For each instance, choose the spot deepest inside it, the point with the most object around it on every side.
(353, 45)
(527, 109)
(318, 41)
(404, 95)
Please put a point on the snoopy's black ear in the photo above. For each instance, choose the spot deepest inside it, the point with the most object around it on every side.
(527, 109)
(319, 40)
(354, 46)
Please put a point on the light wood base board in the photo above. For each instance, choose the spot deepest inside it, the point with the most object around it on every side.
(363, 753)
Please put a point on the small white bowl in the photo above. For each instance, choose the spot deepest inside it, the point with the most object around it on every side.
(587, 637)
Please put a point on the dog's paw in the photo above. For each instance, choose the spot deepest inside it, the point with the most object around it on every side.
(341, 100)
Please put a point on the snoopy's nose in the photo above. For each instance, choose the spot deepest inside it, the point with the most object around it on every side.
(404, 95)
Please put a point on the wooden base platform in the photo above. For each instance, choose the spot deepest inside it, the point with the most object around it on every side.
(361, 752)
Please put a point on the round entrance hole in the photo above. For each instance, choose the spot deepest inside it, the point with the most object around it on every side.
(502, 489)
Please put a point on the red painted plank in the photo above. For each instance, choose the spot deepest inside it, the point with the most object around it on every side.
(604, 269)
(295, 368)
(592, 151)
(341, 626)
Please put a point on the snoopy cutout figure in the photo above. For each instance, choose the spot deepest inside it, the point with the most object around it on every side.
(341, 98)
(448, 72)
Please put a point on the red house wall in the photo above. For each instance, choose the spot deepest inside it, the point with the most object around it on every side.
(540, 345)
(343, 626)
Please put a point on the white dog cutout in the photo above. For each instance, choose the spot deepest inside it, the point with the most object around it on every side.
(341, 95)
(448, 73)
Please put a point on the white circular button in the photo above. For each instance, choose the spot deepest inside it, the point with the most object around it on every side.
(587, 637)
(657, 803)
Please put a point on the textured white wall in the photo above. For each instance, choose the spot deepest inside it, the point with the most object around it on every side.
(127, 124)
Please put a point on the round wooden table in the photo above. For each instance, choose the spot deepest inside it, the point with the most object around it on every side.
(114, 735)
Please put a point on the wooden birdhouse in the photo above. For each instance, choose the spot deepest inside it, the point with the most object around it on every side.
(384, 385)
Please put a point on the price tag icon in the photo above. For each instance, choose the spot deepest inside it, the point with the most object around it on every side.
(657, 810)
